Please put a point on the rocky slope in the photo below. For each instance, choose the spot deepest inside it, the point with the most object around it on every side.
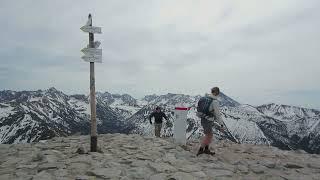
(137, 157)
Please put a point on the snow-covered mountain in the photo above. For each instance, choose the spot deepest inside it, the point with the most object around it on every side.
(124, 104)
(287, 113)
(28, 116)
(302, 124)
(286, 127)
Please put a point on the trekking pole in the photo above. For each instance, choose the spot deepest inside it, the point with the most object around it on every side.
(226, 132)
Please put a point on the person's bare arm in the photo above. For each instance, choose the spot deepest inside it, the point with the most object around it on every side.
(214, 107)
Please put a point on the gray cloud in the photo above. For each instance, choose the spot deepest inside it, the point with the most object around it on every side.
(253, 50)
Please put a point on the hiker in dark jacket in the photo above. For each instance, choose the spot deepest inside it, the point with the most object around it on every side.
(158, 115)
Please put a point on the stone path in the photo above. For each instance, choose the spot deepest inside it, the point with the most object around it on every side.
(134, 157)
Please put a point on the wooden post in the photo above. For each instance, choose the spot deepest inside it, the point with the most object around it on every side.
(92, 55)
(94, 138)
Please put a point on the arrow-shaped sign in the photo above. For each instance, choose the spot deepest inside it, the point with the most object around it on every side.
(97, 59)
(92, 51)
(91, 29)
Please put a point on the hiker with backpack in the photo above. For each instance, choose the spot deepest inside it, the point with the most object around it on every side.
(208, 111)
(158, 115)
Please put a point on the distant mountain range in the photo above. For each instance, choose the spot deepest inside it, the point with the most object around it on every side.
(30, 116)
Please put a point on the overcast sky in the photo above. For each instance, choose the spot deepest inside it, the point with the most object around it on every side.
(256, 51)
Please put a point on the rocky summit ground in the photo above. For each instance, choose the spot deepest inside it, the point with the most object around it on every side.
(136, 157)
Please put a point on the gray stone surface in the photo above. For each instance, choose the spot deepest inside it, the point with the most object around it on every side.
(219, 173)
(43, 175)
(182, 176)
(199, 174)
(269, 164)
(293, 165)
(105, 172)
(242, 169)
(129, 157)
(160, 176)
(162, 167)
(258, 169)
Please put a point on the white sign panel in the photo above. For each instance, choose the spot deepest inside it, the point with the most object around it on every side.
(92, 51)
(91, 29)
(97, 59)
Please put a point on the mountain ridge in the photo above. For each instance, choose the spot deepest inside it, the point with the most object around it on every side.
(287, 127)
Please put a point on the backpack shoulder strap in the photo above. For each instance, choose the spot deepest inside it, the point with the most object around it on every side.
(209, 99)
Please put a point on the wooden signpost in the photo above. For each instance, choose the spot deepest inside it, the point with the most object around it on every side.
(92, 55)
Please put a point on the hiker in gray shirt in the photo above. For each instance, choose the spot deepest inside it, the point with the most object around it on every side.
(208, 111)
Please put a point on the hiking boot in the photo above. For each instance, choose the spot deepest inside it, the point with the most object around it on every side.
(207, 151)
(200, 151)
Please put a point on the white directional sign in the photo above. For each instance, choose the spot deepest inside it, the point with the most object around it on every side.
(97, 59)
(91, 29)
(92, 51)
